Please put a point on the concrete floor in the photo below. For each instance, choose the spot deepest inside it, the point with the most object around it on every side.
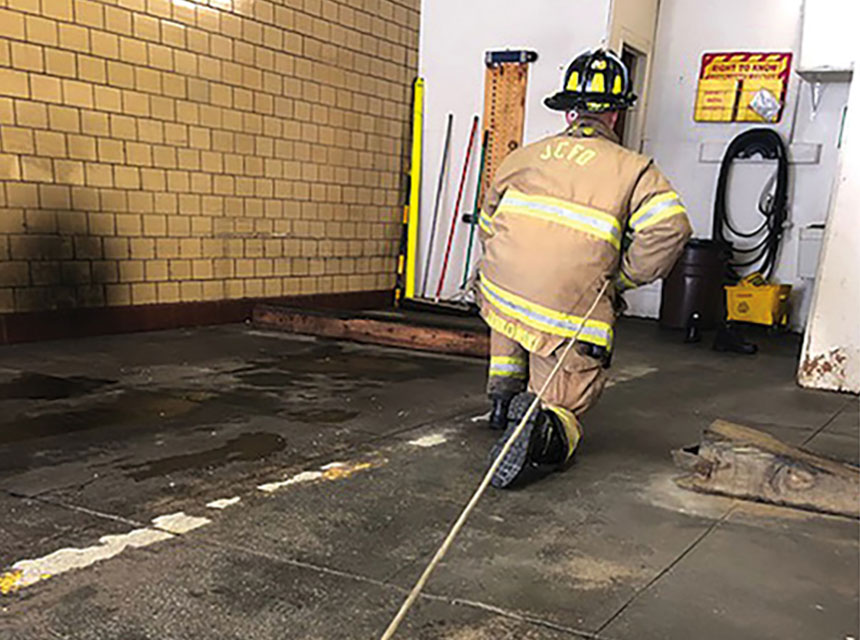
(99, 437)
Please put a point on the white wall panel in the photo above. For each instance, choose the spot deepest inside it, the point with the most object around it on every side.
(454, 37)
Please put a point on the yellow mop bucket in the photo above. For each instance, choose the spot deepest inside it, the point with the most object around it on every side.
(753, 299)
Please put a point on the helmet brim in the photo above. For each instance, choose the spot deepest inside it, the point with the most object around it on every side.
(572, 101)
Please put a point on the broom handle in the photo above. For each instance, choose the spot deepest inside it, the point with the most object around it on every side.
(441, 182)
(475, 210)
(457, 207)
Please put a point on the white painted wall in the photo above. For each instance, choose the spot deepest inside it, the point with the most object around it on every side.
(455, 34)
(831, 348)
(686, 29)
(829, 33)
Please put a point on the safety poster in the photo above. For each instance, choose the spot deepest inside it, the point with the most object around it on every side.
(742, 87)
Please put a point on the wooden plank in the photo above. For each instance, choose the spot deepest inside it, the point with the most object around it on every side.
(504, 113)
(737, 461)
(372, 331)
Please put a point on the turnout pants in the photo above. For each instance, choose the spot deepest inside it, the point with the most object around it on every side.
(575, 388)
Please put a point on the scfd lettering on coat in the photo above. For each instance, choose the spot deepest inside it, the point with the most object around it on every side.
(569, 151)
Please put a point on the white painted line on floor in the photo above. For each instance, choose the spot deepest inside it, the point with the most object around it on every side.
(223, 503)
(330, 471)
(27, 572)
(432, 440)
(179, 523)
(630, 372)
(30, 571)
(304, 476)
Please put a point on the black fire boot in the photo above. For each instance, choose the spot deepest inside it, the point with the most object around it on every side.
(499, 412)
(540, 448)
(729, 338)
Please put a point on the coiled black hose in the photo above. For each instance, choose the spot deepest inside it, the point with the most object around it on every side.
(763, 254)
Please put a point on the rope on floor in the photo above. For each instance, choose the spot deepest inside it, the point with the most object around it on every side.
(461, 520)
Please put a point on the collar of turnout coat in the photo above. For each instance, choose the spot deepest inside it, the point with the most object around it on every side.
(587, 126)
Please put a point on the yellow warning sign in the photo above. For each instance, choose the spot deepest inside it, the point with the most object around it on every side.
(729, 83)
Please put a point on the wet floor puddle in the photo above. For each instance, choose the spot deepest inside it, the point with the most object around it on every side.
(247, 447)
(121, 410)
(322, 416)
(38, 386)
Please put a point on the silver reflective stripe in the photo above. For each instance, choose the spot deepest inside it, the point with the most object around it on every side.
(595, 333)
(656, 209)
(507, 367)
(507, 370)
(583, 218)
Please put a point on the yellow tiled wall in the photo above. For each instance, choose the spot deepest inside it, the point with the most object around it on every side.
(182, 150)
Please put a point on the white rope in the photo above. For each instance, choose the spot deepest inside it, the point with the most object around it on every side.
(461, 520)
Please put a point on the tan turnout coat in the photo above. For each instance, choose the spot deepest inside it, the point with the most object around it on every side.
(563, 215)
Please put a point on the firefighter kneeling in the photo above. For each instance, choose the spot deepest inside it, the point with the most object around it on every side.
(564, 215)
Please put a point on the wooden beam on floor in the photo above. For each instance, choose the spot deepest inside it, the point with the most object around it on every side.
(738, 461)
(423, 337)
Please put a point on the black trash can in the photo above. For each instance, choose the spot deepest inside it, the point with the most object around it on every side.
(695, 286)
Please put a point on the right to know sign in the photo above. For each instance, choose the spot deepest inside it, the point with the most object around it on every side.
(742, 87)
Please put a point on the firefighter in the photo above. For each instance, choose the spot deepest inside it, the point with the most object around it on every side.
(563, 215)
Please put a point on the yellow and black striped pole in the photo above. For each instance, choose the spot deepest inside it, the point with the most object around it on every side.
(399, 285)
(408, 253)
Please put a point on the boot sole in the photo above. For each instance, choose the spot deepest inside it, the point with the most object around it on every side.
(516, 460)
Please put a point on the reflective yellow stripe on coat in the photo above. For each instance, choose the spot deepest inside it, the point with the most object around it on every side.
(656, 209)
(485, 221)
(586, 219)
(508, 367)
(544, 319)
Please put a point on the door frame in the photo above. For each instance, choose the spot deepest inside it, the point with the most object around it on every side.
(632, 24)
(634, 124)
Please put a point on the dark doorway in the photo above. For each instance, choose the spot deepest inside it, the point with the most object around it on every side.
(630, 59)
(636, 64)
